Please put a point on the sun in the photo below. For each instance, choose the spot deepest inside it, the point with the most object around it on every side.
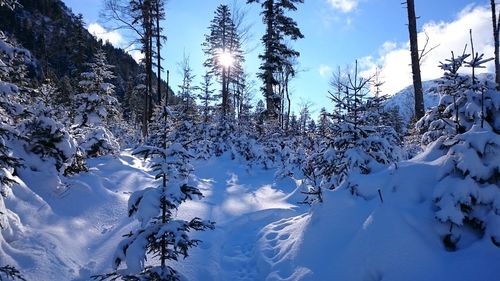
(226, 59)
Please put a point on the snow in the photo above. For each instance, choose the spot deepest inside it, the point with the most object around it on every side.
(71, 232)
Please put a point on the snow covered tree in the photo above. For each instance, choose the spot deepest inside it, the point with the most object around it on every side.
(48, 138)
(276, 54)
(463, 102)
(187, 89)
(96, 104)
(96, 109)
(463, 130)
(466, 196)
(9, 109)
(206, 96)
(160, 235)
(352, 145)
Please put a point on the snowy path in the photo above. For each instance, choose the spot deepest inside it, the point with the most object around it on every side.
(242, 205)
(75, 225)
(70, 229)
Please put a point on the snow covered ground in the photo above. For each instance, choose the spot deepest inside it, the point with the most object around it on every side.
(69, 230)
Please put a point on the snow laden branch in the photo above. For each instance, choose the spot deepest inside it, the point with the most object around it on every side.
(160, 236)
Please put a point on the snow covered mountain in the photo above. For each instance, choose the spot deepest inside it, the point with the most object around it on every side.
(405, 102)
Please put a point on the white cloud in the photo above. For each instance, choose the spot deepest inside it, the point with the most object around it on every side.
(395, 62)
(136, 54)
(114, 37)
(325, 70)
(344, 6)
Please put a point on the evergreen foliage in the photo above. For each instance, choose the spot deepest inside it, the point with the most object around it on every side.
(277, 54)
(160, 234)
(225, 59)
(464, 129)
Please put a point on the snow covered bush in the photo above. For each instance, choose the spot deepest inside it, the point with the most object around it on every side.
(48, 138)
(463, 130)
(97, 141)
(350, 151)
(355, 143)
(468, 194)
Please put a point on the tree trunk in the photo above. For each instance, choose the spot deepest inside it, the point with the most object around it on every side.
(268, 74)
(158, 50)
(150, 82)
(168, 89)
(289, 106)
(415, 64)
(496, 26)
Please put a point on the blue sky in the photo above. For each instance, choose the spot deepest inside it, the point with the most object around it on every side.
(337, 32)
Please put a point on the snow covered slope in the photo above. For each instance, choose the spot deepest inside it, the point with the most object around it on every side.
(405, 101)
(70, 229)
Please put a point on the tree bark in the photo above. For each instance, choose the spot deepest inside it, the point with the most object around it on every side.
(270, 104)
(415, 64)
(496, 26)
(158, 50)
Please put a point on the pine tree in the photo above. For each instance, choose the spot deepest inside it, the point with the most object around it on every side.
(277, 54)
(187, 90)
(224, 55)
(463, 131)
(138, 16)
(9, 109)
(206, 96)
(96, 104)
(96, 109)
(415, 60)
(160, 234)
(49, 138)
(352, 145)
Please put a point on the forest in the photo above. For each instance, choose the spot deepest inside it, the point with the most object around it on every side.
(110, 172)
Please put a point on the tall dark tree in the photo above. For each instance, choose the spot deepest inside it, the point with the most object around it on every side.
(276, 53)
(159, 15)
(137, 16)
(415, 60)
(224, 55)
(495, 20)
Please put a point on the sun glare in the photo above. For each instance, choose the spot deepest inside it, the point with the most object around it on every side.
(226, 59)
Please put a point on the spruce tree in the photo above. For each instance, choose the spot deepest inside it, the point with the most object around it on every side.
(224, 54)
(96, 109)
(279, 28)
(206, 96)
(96, 104)
(187, 89)
(161, 235)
